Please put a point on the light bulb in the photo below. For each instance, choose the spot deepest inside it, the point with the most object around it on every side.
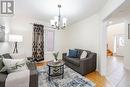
(52, 22)
(56, 20)
(64, 21)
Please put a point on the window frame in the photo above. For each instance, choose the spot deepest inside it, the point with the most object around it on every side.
(46, 40)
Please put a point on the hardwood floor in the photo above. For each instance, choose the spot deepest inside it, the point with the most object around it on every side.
(94, 76)
(100, 81)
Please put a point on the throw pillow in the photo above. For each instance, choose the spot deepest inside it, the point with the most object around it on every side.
(72, 53)
(7, 56)
(14, 65)
(79, 52)
(67, 53)
(83, 55)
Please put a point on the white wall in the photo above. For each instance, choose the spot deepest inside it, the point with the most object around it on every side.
(22, 26)
(109, 7)
(127, 47)
(89, 29)
(4, 46)
(59, 43)
(112, 31)
(84, 34)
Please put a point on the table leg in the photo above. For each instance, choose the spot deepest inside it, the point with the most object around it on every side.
(49, 74)
(63, 71)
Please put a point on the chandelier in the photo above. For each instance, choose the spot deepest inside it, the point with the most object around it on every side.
(58, 22)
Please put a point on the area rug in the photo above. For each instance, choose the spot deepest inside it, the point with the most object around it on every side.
(71, 79)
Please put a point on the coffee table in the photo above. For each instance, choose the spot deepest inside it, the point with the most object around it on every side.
(56, 68)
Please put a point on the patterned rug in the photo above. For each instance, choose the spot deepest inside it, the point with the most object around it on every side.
(71, 79)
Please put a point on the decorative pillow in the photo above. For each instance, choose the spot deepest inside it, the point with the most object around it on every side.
(67, 53)
(7, 56)
(79, 52)
(14, 65)
(72, 53)
(83, 55)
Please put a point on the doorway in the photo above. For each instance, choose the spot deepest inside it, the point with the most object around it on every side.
(121, 76)
(115, 48)
(115, 39)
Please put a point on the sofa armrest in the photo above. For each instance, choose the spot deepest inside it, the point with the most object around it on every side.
(2, 79)
(33, 74)
(33, 78)
(31, 66)
(88, 64)
(91, 57)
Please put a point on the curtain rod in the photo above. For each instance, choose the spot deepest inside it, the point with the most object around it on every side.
(44, 25)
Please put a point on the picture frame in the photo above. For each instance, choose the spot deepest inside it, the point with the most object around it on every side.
(129, 31)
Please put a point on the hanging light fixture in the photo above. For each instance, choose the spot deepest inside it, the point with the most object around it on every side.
(58, 22)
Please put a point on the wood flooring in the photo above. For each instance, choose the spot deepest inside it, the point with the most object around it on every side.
(100, 81)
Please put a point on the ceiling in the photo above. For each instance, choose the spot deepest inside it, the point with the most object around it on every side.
(73, 10)
(121, 13)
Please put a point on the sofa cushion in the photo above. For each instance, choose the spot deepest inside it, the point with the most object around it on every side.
(74, 61)
(72, 53)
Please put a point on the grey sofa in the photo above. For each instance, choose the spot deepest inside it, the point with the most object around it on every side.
(82, 66)
(33, 74)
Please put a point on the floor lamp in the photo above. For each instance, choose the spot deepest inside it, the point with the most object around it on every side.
(16, 39)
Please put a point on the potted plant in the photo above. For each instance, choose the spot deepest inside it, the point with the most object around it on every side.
(56, 56)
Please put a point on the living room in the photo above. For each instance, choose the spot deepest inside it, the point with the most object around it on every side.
(84, 29)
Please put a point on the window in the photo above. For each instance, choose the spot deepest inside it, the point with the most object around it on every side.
(119, 41)
(122, 41)
(49, 40)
